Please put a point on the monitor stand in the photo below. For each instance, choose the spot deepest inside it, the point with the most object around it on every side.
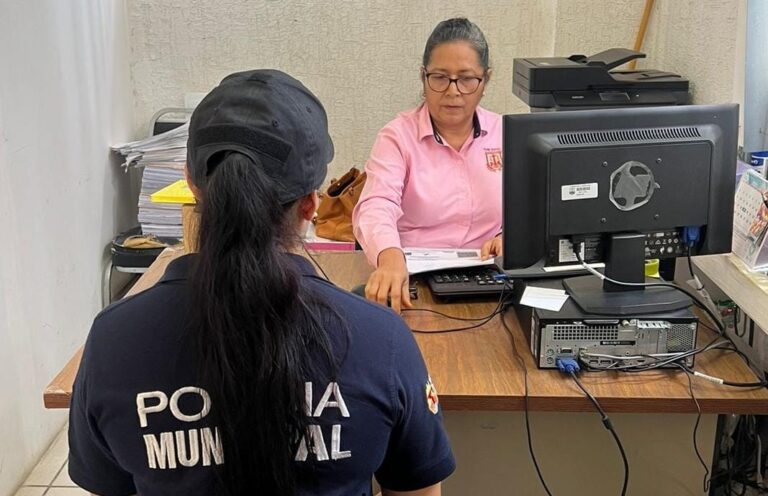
(624, 261)
(589, 295)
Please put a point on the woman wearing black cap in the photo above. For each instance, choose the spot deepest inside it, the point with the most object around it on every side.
(242, 371)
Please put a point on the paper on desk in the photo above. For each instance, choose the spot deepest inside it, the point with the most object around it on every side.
(162, 159)
(544, 298)
(419, 260)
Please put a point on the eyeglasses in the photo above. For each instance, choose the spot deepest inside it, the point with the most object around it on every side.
(440, 82)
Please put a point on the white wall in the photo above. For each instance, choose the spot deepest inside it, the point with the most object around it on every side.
(591, 26)
(703, 41)
(64, 97)
(756, 112)
(66, 93)
(699, 39)
(362, 57)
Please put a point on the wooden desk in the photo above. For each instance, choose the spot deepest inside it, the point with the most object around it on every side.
(748, 290)
(59, 391)
(481, 390)
(476, 370)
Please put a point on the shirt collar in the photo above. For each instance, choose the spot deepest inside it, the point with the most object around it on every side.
(426, 126)
(305, 266)
(179, 269)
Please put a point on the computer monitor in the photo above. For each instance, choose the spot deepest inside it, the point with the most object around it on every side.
(630, 184)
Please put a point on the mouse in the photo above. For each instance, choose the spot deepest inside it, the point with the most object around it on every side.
(359, 290)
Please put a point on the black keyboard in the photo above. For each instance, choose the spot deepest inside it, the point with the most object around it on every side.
(472, 281)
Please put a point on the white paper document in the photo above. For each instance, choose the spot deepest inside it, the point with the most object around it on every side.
(544, 298)
(419, 260)
(161, 158)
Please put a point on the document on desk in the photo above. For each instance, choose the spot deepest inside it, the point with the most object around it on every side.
(420, 260)
(544, 298)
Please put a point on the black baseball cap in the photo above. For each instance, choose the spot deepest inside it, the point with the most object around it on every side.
(270, 117)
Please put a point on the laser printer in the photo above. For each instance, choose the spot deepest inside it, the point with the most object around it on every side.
(578, 82)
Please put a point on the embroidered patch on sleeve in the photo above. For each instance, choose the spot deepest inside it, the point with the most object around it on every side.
(432, 399)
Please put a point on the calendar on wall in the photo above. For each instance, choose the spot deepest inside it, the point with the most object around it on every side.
(750, 221)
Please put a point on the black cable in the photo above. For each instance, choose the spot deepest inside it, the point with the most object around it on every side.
(458, 329)
(701, 323)
(728, 467)
(700, 304)
(483, 320)
(520, 359)
(608, 425)
(706, 480)
(695, 299)
(676, 361)
(445, 315)
(690, 264)
(739, 452)
(745, 482)
(750, 385)
(661, 362)
(743, 356)
(753, 485)
(315, 262)
(691, 295)
(690, 269)
(734, 350)
(736, 311)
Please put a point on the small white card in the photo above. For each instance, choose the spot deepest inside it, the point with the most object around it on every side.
(544, 298)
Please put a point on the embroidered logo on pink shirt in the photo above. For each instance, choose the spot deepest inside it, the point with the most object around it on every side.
(412, 199)
(493, 159)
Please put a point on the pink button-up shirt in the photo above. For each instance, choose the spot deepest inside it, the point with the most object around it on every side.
(420, 192)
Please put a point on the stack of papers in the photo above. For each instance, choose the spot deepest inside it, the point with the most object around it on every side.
(166, 147)
(162, 158)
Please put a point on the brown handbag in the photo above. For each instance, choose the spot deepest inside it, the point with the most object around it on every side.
(334, 216)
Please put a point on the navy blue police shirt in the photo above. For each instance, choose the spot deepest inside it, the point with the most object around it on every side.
(140, 424)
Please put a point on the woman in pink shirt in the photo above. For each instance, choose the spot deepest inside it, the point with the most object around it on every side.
(434, 174)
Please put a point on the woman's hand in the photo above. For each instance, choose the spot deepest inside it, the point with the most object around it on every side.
(390, 280)
(491, 248)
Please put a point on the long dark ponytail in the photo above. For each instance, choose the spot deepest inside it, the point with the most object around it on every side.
(255, 330)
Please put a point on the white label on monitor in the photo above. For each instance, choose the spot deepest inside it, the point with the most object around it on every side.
(566, 252)
(578, 191)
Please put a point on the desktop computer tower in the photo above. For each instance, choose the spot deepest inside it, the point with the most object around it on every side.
(598, 340)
